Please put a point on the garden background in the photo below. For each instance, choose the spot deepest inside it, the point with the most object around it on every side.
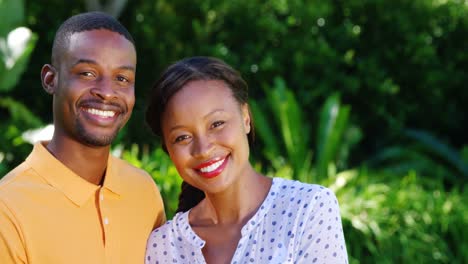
(367, 97)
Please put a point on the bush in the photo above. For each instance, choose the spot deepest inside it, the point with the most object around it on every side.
(396, 63)
(388, 219)
(16, 44)
(158, 164)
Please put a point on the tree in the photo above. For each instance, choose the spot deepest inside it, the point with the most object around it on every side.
(16, 45)
(112, 7)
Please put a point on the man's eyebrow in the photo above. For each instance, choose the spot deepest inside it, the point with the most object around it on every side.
(129, 68)
(84, 61)
(88, 61)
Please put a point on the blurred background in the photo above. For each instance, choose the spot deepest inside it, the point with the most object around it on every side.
(366, 97)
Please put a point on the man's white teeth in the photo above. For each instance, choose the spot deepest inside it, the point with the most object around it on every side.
(101, 113)
(212, 167)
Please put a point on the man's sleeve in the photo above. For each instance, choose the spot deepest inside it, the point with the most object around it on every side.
(11, 240)
(161, 214)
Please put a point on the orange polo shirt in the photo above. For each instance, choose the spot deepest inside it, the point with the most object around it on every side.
(49, 215)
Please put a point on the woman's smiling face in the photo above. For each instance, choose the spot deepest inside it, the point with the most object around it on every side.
(205, 132)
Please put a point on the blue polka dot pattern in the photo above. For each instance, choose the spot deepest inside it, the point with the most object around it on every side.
(297, 223)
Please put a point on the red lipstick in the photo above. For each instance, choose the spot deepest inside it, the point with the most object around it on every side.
(212, 168)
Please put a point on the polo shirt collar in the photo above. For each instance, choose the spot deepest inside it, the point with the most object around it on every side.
(77, 189)
(113, 180)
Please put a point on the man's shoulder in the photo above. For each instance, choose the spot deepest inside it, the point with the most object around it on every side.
(16, 175)
(119, 163)
(131, 179)
(18, 182)
(129, 171)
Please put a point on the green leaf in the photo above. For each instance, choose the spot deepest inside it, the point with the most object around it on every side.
(264, 131)
(19, 113)
(332, 124)
(9, 76)
(438, 148)
(295, 130)
(11, 14)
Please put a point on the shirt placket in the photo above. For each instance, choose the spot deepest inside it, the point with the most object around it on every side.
(107, 201)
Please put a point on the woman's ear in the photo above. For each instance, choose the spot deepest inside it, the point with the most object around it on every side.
(246, 117)
(49, 78)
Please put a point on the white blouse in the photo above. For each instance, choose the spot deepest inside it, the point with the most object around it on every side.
(297, 223)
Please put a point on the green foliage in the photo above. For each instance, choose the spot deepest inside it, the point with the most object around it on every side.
(14, 66)
(158, 164)
(388, 219)
(424, 153)
(440, 150)
(12, 14)
(335, 136)
(390, 215)
(332, 124)
(16, 45)
(294, 130)
(13, 148)
(396, 64)
(20, 114)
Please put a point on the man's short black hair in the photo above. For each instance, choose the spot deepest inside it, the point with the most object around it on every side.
(85, 22)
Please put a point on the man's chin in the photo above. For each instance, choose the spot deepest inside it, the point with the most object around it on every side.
(97, 140)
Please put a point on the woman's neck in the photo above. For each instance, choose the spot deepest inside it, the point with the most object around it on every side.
(236, 205)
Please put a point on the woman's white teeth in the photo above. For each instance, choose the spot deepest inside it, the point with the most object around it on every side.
(102, 113)
(212, 167)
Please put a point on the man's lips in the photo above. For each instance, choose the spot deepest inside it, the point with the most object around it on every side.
(212, 168)
(100, 113)
(103, 106)
(101, 110)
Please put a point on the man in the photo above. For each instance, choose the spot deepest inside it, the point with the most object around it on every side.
(70, 201)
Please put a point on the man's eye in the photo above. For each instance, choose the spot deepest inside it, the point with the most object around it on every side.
(87, 74)
(122, 79)
(217, 124)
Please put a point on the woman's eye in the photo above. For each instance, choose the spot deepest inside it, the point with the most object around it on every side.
(217, 124)
(181, 138)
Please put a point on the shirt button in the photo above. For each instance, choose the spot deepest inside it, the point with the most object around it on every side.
(106, 221)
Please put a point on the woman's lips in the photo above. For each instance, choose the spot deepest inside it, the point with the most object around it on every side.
(212, 168)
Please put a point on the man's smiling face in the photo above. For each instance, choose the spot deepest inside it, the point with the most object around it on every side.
(94, 93)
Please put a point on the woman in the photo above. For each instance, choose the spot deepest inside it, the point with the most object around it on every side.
(228, 212)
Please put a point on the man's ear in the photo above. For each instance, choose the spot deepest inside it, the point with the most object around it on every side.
(49, 78)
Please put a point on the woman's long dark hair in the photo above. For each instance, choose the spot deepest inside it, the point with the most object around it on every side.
(173, 79)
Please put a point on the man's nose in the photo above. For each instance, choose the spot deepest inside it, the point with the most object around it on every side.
(104, 89)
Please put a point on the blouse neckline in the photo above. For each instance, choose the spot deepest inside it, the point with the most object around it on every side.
(182, 219)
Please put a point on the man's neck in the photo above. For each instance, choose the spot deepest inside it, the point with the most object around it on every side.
(90, 163)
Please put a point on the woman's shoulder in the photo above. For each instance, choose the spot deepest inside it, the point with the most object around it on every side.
(177, 230)
(298, 196)
(168, 229)
(289, 187)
